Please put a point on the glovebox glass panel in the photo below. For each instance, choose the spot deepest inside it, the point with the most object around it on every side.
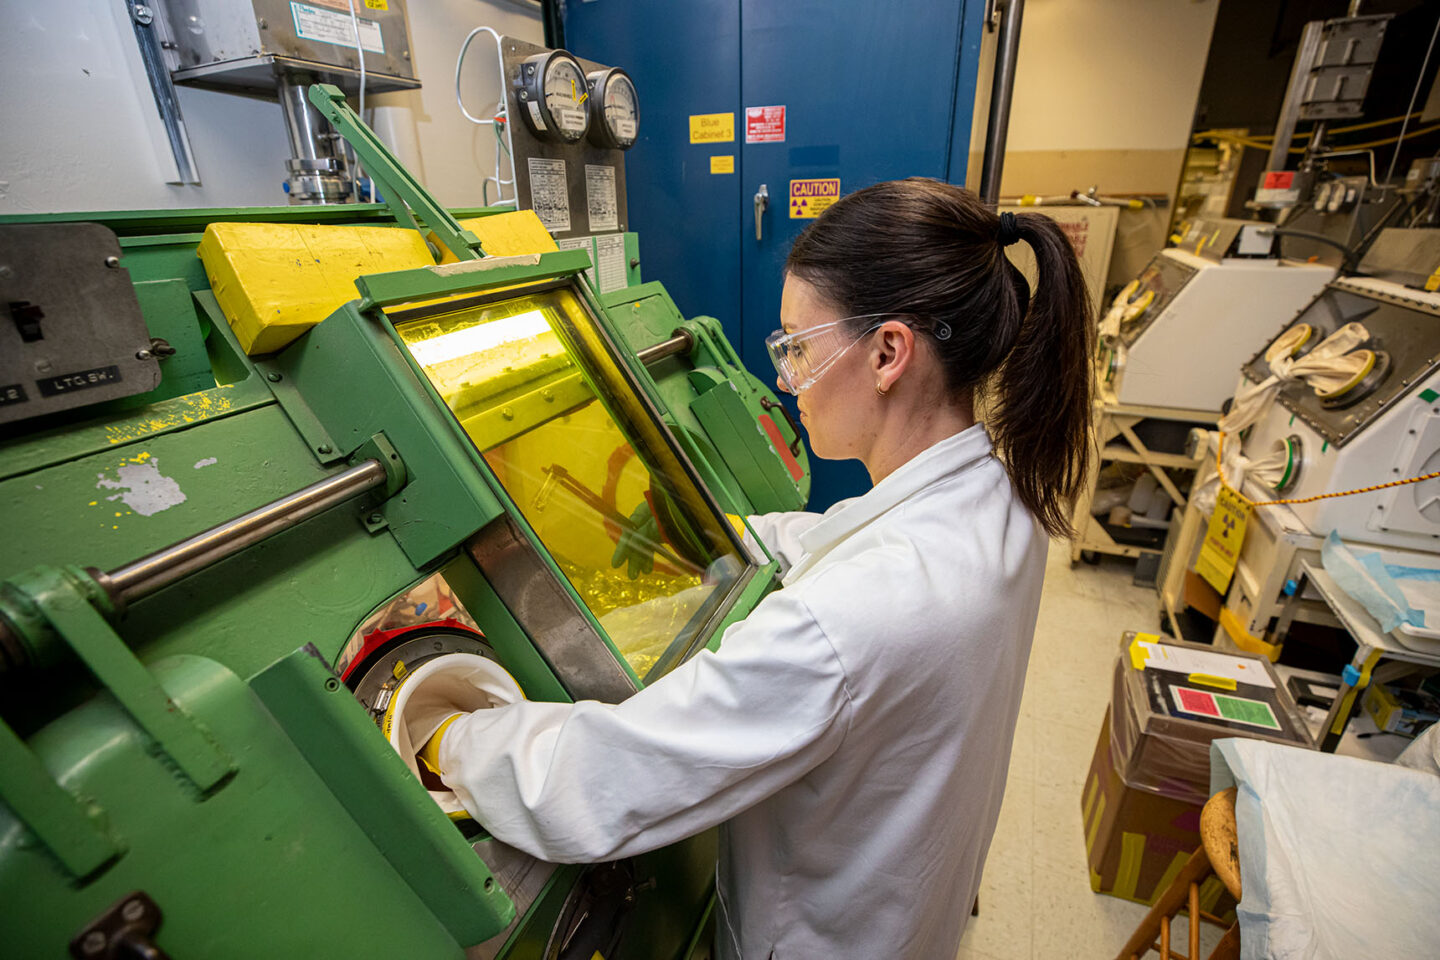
(537, 388)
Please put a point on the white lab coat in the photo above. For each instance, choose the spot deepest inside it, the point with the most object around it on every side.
(851, 735)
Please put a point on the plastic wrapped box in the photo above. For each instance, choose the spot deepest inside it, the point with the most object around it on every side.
(1150, 774)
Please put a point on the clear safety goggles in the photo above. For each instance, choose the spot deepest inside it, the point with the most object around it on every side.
(802, 358)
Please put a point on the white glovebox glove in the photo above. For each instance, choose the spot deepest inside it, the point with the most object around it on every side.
(1328, 367)
(434, 692)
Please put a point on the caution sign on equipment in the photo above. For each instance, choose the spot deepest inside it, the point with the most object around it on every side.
(810, 198)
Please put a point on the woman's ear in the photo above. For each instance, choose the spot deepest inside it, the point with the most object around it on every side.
(892, 355)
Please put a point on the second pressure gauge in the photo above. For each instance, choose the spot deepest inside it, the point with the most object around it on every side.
(552, 95)
(614, 109)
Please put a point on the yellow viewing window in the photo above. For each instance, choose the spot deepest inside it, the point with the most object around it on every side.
(538, 389)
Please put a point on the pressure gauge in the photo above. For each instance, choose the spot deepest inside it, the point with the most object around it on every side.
(614, 109)
(552, 96)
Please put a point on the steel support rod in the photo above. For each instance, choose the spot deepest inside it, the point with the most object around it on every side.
(1002, 90)
(163, 567)
(1294, 95)
(680, 343)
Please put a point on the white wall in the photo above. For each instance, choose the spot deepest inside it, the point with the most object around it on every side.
(79, 128)
(1105, 93)
(1108, 74)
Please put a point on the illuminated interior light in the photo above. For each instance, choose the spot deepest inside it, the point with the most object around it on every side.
(481, 338)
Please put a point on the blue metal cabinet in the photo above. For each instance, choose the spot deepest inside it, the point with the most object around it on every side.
(872, 91)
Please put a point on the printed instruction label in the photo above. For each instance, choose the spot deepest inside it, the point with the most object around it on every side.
(586, 244)
(332, 26)
(344, 5)
(550, 193)
(610, 257)
(725, 164)
(1254, 713)
(600, 197)
(1151, 654)
(712, 127)
(810, 198)
(1223, 540)
(764, 124)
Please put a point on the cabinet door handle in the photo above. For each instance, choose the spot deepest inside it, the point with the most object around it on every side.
(762, 203)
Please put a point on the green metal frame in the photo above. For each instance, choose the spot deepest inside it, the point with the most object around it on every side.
(140, 758)
(403, 193)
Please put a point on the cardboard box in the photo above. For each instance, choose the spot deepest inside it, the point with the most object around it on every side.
(1150, 774)
(1137, 841)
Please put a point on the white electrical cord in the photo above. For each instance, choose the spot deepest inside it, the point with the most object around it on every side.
(502, 117)
(1400, 141)
(354, 158)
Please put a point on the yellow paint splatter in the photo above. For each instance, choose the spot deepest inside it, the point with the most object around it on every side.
(168, 414)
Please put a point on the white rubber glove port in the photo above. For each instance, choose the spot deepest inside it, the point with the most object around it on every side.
(435, 691)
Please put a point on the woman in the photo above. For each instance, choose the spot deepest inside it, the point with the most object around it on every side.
(851, 736)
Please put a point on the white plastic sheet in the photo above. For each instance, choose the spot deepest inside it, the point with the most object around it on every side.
(1337, 854)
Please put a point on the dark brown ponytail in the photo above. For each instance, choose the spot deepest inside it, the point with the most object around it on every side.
(933, 251)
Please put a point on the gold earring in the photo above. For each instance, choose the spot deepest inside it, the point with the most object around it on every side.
(879, 392)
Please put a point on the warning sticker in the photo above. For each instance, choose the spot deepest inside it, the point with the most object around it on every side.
(1254, 713)
(810, 198)
(550, 194)
(764, 124)
(329, 26)
(600, 197)
(725, 164)
(1221, 549)
(712, 127)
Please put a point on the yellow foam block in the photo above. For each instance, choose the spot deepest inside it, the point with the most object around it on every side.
(275, 281)
(508, 235)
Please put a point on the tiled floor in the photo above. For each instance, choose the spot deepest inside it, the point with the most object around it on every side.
(1035, 897)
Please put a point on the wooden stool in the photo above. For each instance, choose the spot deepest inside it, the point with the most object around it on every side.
(1218, 854)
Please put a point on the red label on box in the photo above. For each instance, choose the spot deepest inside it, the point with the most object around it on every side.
(1197, 701)
(764, 124)
(1279, 180)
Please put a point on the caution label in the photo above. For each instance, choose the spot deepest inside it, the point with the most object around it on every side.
(810, 198)
(712, 127)
(1221, 549)
(722, 164)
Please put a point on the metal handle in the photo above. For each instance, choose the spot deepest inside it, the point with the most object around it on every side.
(762, 203)
(769, 404)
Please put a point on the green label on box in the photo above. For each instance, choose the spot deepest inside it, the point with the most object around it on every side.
(1257, 713)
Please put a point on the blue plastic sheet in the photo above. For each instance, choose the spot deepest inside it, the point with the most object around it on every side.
(1365, 578)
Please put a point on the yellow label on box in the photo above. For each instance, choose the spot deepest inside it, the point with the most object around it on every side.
(377, 4)
(1221, 549)
(810, 198)
(712, 127)
(724, 164)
